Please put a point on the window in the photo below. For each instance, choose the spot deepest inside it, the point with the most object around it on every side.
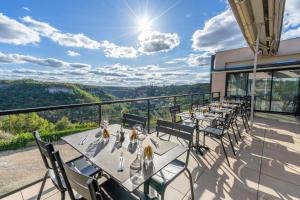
(263, 89)
(285, 91)
(237, 84)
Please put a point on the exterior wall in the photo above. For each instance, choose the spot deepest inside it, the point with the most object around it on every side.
(218, 83)
(288, 50)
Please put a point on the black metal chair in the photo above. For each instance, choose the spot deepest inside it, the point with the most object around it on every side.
(164, 177)
(221, 121)
(243, 114)
(131, 120)
(174, 110)
(87, 187)
(218, 133)
(80, 164)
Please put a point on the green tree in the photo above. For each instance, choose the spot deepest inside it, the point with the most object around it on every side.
(21, 123)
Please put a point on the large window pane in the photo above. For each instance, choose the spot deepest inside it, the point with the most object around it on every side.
(263, 89)
(237, 84)
(285, 92)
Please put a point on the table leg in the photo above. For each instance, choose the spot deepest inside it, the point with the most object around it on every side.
(199, 148)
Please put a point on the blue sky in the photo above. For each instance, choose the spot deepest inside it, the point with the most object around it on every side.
(119, 42)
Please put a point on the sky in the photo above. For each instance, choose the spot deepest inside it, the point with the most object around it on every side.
(120, 42)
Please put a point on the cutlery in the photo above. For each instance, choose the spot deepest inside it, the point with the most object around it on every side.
(83, 140)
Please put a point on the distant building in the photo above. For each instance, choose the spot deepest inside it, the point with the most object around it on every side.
(53, 90)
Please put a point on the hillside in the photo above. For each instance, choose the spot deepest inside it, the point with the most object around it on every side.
(148, 91)
(30, 93)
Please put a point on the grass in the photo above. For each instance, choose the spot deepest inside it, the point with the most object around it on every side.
(26, 139)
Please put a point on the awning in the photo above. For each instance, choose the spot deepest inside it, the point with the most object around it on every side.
(251, 14)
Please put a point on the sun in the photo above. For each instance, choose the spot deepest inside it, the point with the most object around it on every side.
(144, 24)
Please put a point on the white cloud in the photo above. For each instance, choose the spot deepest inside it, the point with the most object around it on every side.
(114, 51)
(48, 62)
(198, 59)
(79, 40)
(63, 39)
(154, 41)
(291, 22)
(72, 53)
(220, 32)
(43, 28)
(201, 59)
(292, 13)
(26, 8)
(150, 68)
(13, 32)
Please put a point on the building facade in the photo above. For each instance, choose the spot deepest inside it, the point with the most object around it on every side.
(277, 78)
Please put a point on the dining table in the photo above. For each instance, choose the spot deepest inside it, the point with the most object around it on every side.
(196, 118)
(123, 161)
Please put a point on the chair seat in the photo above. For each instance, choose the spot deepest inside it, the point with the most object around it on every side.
(167, 174)
(110, 189)
(221, 119)
(83, 166)
(213, 131)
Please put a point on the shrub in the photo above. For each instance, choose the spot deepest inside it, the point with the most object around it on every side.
(63, 124)
(22, 139)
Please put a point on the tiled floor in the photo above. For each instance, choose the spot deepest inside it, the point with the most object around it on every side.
(267, 166)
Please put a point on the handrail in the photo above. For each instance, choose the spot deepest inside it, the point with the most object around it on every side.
(99, 104)
(47, 108)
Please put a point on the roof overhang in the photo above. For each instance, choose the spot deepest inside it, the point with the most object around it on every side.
(253, 14)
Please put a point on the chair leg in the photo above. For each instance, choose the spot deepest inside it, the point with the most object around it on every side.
(231, 143)
(42, 186)
(225, 152)
(237, 127)
(62, 195)
(234, 133)
(246, 128)
(191, 184)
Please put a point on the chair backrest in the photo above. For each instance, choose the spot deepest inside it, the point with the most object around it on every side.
(46, 149)
(131, 120)
(85, 186)
(178, 130)
(173, 111)
(228, 120)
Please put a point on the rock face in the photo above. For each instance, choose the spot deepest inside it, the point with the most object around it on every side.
(53, 90)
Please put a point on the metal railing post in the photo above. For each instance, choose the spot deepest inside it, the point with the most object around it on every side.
(148, 114)
(192, 100)
(99, 114)
(174, 101)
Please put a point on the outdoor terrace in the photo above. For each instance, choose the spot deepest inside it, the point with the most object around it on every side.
(267, 166)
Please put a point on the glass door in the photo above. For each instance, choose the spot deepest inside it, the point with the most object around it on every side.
(237, 84)
(285, 91)
(263, 90)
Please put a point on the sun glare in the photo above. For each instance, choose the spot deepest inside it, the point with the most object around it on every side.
(144, 24)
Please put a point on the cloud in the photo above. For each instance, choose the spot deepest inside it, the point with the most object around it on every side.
(219, 33)
(154, 41)
(150, 68)
(79, 40)
(201, 59)
(72, 53)
(114, 51)
(13, 32)
(291, 22)
(198, 59)
(292, 13)
(48, 62)
(63, 39)
(26, 8)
